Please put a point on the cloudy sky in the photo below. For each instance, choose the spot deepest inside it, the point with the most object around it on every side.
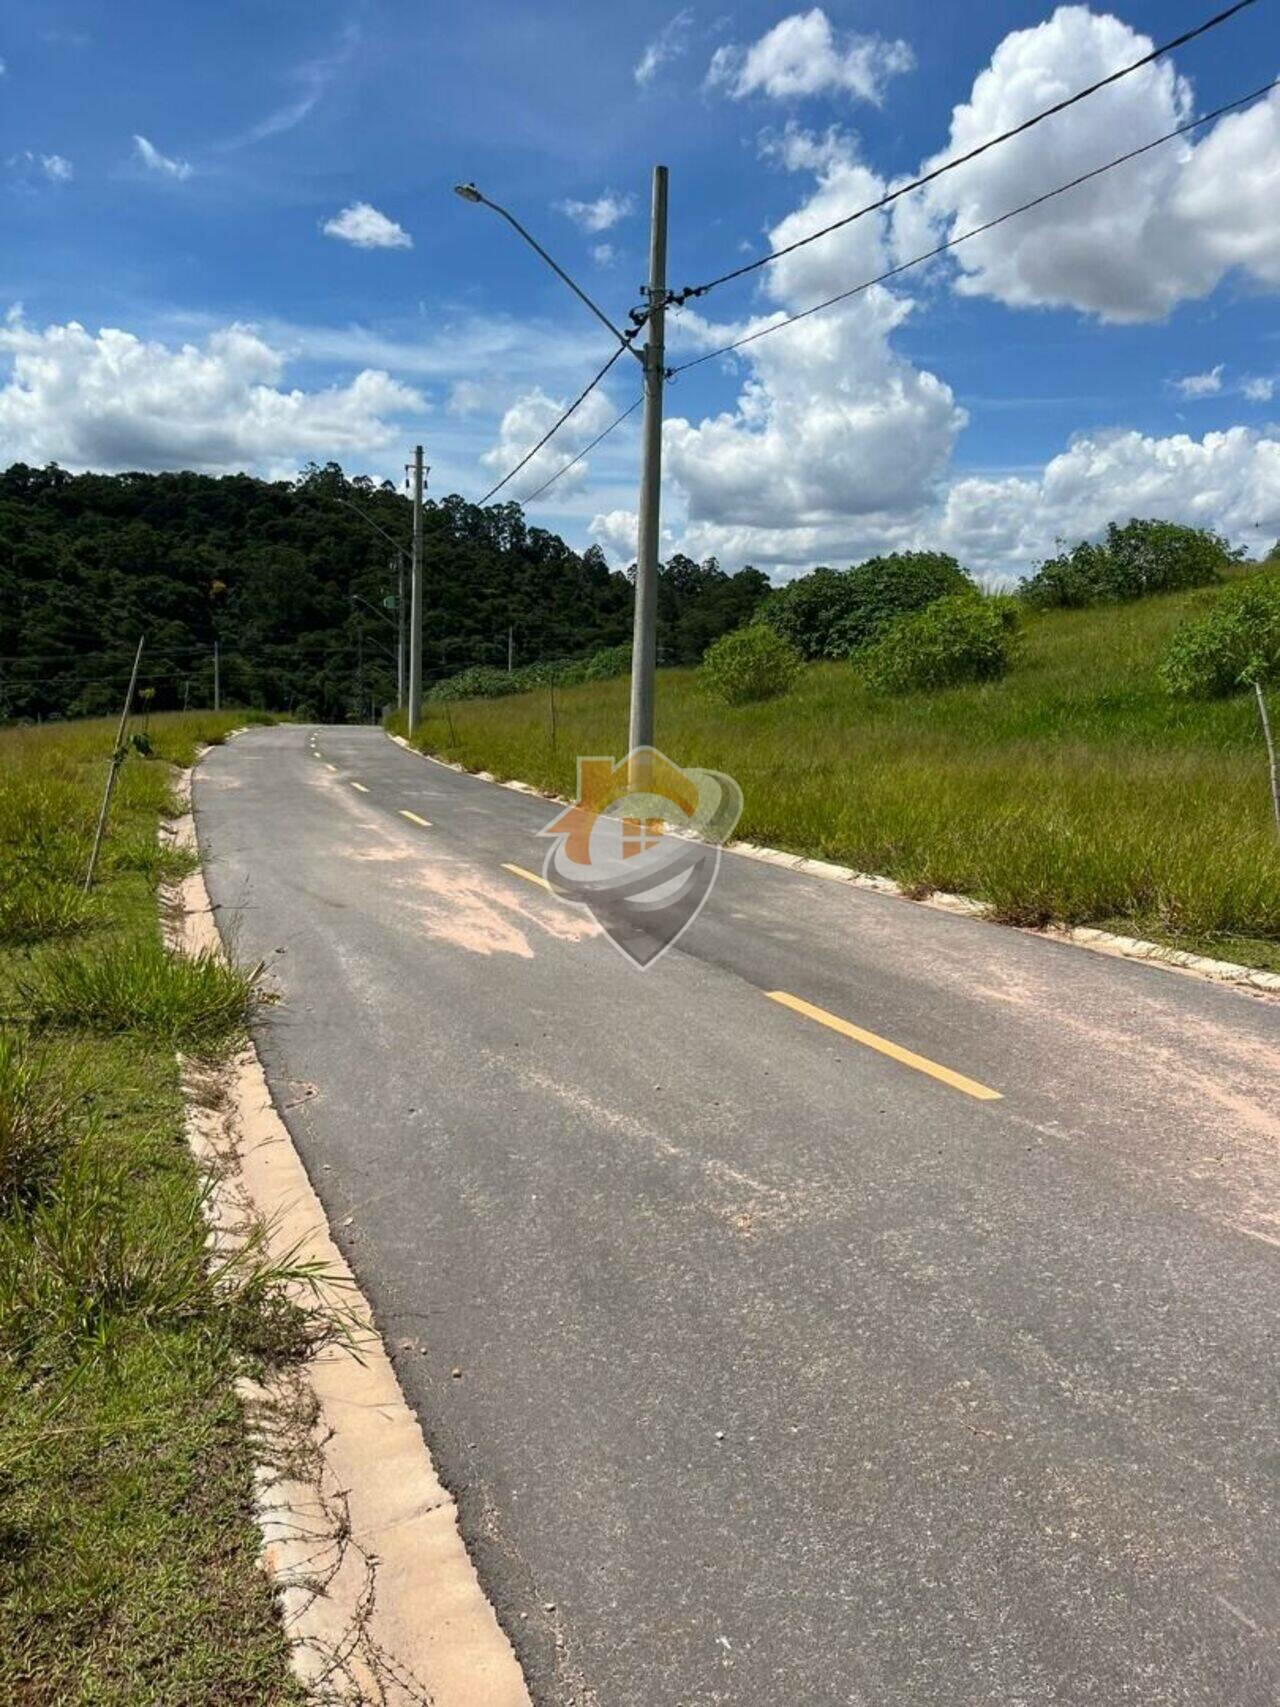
(229, 241)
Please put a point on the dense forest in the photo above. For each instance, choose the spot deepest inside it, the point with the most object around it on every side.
(296, 585)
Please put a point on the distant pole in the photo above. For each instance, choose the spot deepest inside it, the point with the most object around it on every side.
(399, 630)
(511, 649)
(644, 643)
(415, 609)
(117, 759)
(217, 676)
(186, 693)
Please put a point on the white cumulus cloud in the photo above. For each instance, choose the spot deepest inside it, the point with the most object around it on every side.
(57, 167)
(524, 423)
(110, 400)
(603, 254)
(1258, 389)
(164, 164)
(803, 55)
(1127, 246)
(366, 228)
(671, 41)
(600, 215)
(1227, 481)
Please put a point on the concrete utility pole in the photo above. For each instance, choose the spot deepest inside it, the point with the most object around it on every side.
(644, 642)
(415, 609)
(217, 676)
(511, 649)
(400, 630)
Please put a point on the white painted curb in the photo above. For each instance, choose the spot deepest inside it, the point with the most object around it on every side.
(1081, 936)
(380, 1599)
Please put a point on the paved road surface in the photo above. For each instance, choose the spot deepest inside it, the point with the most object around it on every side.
(792, 1375)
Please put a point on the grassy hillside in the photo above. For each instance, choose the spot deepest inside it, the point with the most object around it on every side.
(1074, 790)
(128, 1552)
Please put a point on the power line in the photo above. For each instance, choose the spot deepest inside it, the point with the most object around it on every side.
(678, 298)
(553, 430)
(586, 450)
(978, 230)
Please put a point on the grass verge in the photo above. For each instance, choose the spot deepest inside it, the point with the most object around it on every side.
(1075, 790)
(128, 1551)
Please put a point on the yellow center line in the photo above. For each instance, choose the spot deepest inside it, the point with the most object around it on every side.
(414, 818)
(883, 1046)
(529, 877)
(360, 786)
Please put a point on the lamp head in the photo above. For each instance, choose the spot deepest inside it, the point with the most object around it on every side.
(468, 192)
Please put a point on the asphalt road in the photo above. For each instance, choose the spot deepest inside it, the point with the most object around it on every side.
(792, 1374)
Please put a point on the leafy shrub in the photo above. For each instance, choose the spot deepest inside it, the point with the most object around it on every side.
(1236, 644)
(481, 681)
(834, 614)
(961, 638)
(1137, 559)
(603, 665)
(751, 663)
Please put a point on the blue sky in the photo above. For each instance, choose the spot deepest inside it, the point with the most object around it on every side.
(988, 409)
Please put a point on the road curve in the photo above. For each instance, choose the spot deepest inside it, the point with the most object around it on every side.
(769, 1366)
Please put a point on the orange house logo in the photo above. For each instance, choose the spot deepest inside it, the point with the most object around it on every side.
(639, 848)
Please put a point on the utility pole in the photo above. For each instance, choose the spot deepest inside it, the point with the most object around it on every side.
(511, 648)
(415, 609)
(399, 630)
(217, 676)
(644, 642)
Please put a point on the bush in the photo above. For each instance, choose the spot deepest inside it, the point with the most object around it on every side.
(1236, 644)
(751, 663)
(833, 614)
(481, 681)
(35, 1122)
(962, 638)
(1137, 560)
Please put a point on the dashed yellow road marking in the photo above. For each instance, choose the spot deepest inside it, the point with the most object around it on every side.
(529, 877)
(360, 786)
(414, 818)
(882, 1045)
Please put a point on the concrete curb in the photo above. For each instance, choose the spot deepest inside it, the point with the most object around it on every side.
(1080, 936)
(379, 1596)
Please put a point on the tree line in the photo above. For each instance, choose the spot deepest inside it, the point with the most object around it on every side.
(296, 590)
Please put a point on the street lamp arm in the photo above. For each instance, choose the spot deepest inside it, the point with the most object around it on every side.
(470, 193)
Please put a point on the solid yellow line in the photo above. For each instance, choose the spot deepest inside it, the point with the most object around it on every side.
(529, 877)
(360, 786)
(883, 1046)
(414, 818)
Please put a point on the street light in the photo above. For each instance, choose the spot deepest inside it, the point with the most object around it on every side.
(470, 193)
(653, 361)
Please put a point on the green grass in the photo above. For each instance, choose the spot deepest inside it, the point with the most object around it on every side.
(128, 1551)
(1074, 790)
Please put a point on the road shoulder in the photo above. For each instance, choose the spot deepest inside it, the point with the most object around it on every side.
(380, 1598)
